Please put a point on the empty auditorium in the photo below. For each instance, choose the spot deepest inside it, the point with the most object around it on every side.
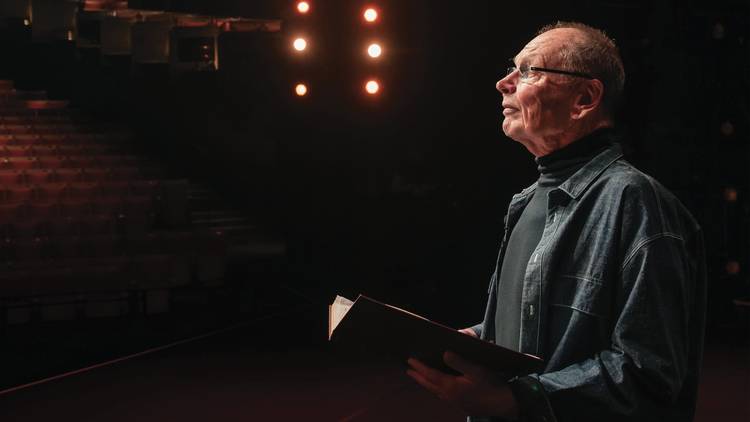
(375, 210)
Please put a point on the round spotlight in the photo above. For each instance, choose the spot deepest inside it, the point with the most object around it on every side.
(732, 267)
(372, 87)
(303, 7)
(730, 194)
(370, 15)
(300, 90)
(300, 44)
(374, 50)
(727, 128)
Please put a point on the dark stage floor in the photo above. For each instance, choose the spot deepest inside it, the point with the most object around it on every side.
(278, 368)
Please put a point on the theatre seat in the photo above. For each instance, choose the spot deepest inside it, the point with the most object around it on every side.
(76, 209)
(16, 151)
(28, 250)
(14, 129)
(45, 104)
(11, 177)
(159, 271)
(86, 224)
(82, 138)
(17, 193)
(175, 204)
(19, 163)
(54, 139)
(210, 257)
(52, 162)
(26, 139)
(84, 191)
(10, 213)
(63, 175)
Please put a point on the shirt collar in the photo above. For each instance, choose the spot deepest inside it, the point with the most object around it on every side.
(580, 181)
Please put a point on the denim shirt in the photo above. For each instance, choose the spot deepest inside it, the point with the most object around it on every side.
(613, 299)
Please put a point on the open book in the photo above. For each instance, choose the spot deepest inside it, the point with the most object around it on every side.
(386, 331)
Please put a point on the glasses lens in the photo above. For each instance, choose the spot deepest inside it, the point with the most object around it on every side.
(510, 70)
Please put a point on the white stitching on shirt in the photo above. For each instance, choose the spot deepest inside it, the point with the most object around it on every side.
(646, 241)
(580, 277)
(560, 305)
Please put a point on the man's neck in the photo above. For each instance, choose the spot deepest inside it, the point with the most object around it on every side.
(557, 141)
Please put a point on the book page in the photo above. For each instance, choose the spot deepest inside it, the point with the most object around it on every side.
(336, 312)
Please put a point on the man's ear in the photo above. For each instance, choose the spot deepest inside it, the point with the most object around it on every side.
(588, 100)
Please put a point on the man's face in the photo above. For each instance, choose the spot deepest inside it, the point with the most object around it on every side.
(536, 109)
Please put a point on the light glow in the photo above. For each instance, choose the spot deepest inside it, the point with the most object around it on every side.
(300, 44)
(372, 87)
(300, 90)
(371, 15)
(303, 7)
(374, 50)
(730, 194)
(732, 267)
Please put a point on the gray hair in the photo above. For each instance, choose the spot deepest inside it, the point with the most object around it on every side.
(594, 53)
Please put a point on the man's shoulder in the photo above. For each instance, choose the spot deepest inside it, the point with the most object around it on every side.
(641, 194)
(625, 175)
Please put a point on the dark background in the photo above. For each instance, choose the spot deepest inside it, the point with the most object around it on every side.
(402, 196)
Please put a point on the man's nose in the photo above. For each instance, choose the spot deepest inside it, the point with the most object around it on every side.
(507, 84)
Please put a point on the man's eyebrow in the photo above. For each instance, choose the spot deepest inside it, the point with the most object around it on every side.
(523, 59)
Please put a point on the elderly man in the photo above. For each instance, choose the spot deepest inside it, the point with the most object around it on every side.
(600, 271)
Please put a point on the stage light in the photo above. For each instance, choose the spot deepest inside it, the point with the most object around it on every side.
(727, 128)
(372, 87)
(300, 44)
(374, 50)
(732, 267)
(718, 31)
(730, 194)
(300, 90)
(370, 15)
(303, 7)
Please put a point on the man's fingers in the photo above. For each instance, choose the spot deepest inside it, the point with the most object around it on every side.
(468, 332)
(430, 374)
(423, 381)
(465, 367)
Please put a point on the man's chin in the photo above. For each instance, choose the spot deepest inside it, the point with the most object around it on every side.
(514, 135)
(511, 130)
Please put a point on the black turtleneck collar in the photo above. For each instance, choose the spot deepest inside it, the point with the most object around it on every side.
(555, 167)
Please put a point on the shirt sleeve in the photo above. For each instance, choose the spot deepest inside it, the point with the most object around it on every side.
(477, 329)
(642, 372)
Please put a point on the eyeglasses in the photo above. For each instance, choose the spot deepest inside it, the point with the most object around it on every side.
(524, 70)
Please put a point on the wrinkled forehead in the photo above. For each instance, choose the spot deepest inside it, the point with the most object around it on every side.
(541, 51)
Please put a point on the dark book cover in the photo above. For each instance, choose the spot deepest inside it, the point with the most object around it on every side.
(380, 331)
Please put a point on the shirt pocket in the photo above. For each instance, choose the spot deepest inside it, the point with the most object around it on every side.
(581, 294)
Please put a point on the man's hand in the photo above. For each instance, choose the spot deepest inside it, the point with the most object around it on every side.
(476, 390)
(468, 331)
